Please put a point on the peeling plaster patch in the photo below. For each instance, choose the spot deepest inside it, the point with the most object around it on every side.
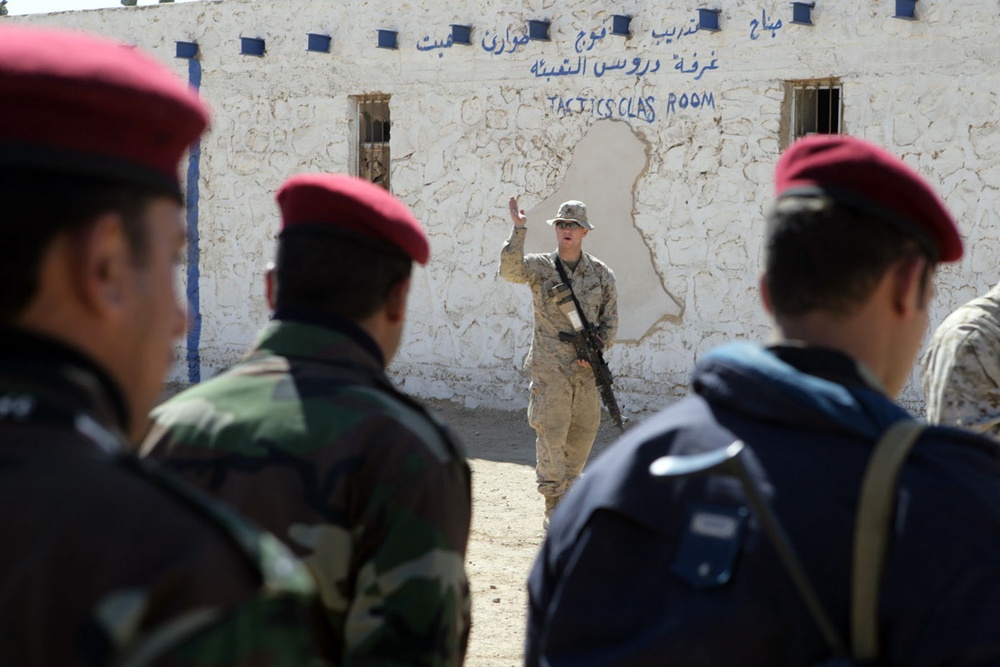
(605, 167)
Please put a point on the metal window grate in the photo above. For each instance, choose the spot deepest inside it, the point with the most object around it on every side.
(817, 108)
(374, 124)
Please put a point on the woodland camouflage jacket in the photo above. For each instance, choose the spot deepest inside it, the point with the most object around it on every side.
(308, 437)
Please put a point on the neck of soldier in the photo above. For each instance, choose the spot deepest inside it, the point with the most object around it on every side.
(883, 332)
(865, 336)
(386, 335)
(385, 325)
(570, 253)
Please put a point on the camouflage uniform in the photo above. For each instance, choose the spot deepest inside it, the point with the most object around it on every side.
(107, 561)
(960, 369)
(564, 404)
(308, 437)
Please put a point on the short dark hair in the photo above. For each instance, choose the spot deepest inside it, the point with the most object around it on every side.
(37, 205)
(822, 255)
(340, 275)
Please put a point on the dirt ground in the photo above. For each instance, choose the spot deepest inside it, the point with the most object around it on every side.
(507, 530)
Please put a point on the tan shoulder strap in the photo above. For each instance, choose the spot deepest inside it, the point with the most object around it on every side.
(871, 533)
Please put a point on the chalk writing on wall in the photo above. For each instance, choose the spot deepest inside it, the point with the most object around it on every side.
(693, 100)
(642, 108)
(638, 107)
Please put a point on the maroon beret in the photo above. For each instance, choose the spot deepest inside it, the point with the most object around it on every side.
(353, 206)
(859, 174)
(75, 103)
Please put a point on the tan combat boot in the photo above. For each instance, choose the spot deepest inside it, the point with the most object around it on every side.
(550, 505)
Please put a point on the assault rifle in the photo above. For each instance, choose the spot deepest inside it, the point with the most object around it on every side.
(588, 348)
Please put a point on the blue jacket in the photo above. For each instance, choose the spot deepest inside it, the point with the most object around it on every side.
(622, 578)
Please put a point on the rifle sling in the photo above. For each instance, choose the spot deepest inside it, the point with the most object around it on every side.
(607, 395)
(872, 529)
(566, 281)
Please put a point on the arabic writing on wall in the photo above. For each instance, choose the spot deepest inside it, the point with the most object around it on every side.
(586, 63)
(497, 44)
(763, 24)
(674, 34)
(638, 67)
(427, 45)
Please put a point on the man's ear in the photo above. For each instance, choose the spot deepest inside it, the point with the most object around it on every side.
(395, 303)
(765, 294)
(907, 276)
(104, 265)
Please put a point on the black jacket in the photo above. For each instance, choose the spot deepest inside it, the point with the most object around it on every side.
(616, 582)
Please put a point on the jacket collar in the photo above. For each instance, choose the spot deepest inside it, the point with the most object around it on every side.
(795, 384)
(304, 332)
(62, 375)
(583, 263)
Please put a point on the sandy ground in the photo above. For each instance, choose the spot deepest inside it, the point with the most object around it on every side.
(507, 532)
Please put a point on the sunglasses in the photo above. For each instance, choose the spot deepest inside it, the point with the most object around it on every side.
(566, 224)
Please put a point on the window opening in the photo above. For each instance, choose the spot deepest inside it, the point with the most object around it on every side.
(816, 108)
(374, 126)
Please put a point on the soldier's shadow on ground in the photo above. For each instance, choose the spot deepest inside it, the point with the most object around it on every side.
(503, 436)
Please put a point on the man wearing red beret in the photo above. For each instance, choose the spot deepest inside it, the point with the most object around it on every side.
(668, 551)
(105, 560)
(308, 436)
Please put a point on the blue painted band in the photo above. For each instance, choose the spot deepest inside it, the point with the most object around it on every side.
(193, 251)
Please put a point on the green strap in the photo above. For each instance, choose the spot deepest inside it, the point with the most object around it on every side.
(871, 533)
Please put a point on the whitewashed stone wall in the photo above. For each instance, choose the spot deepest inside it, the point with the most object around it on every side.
(678, 197)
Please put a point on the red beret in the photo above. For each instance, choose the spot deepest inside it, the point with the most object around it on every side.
(76, 103)
(856, 173)
(352, 205)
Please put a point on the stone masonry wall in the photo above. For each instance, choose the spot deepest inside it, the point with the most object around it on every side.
(669, 135)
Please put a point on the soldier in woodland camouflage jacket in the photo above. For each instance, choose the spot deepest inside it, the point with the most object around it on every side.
(308, 437)
(104, 560)
(564, 406)
(960, 369)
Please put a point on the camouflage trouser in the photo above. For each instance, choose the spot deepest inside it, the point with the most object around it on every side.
(565, 413)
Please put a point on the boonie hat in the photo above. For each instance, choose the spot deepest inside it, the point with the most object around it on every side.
(858, 174)
(353, 208)
(572, 211)
(79, 104)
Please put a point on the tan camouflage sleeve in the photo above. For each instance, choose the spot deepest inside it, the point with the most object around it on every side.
(961, 382)
(513, 267)
(608, 326)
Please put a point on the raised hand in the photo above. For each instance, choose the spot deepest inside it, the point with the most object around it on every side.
(517, 215)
